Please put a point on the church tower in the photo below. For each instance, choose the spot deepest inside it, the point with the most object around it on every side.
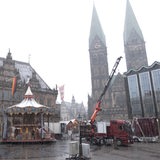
(98, 62)
(134, 44)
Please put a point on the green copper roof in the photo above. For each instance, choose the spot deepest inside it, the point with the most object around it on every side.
(130, 24)
(96, 29)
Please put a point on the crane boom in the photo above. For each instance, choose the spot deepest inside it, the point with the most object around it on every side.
(97, 108)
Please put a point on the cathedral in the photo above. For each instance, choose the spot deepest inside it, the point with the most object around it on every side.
(114, 104)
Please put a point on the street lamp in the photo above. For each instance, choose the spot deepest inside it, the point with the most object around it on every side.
(80, 137)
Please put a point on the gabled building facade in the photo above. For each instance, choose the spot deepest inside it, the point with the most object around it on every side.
(24, 73)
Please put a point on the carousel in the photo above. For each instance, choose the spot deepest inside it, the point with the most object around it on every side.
(24, 122)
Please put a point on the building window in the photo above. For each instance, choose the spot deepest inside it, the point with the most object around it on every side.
(41, 101)
(146, 92)
(49, 102)
(134, 95)
(156, 86)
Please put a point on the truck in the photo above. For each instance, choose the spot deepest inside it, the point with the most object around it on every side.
(145, 129)
(107, 132)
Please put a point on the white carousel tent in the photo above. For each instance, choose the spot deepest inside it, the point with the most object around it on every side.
(28, 115)
(28, 104)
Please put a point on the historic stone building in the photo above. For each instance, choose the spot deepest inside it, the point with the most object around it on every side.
(72, 110)
(134, 44)
(24, 74)
(115, 102)
(98, 63)
(118, 95)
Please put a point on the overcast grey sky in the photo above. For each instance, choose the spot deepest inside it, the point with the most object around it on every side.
(55, 34)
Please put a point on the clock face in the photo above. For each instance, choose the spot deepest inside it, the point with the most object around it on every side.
(97, 45)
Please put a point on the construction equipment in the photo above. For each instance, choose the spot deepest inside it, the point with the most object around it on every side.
(97, 109)
(107, 132)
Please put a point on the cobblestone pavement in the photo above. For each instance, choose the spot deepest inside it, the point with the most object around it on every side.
(60, 151)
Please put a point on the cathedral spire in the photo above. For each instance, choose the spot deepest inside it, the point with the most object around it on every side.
(98, 63)
(96, 29)
(134, 44)
(131, 24)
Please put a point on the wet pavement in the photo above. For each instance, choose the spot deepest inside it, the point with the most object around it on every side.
(60, 151)
(57, 151)
(136, 151)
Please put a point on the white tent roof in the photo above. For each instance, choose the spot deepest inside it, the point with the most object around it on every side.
(27, 102)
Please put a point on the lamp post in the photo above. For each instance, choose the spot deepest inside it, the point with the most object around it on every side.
(80, 137)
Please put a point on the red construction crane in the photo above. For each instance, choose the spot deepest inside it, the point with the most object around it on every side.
(98, 108)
